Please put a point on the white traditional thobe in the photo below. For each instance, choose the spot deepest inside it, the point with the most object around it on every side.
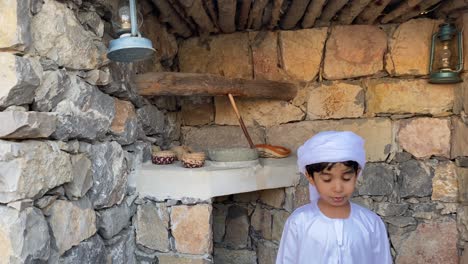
(310, 237)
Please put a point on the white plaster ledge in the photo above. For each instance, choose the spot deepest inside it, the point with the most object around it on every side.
(215, 179)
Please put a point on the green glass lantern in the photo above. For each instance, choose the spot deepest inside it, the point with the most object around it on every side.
(446, 55)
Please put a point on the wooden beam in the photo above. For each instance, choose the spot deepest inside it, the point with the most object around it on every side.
(227, 15)
(450, 5)
(351, 11)
(330, 10)
(187, 84)
(170, 16)
(295, 12)
(416, 11)
(313, 12)
(275, 13)
(372, 12)
(244, 14)
(195, 10)
(266, 18)
(256, 14)
(180, 10)
(404, 7)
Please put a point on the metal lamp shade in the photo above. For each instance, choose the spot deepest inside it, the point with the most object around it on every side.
(129, 49)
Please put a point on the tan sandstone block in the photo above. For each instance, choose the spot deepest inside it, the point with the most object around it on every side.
(462, 175)
(408, 96)
(226, 55)
(191, 228)
(459, 138)
(15, 20)
(425, 137)
(335, 100)
(377, 132)
(197, 111)
(445, 182)
(409, 48)
(433, 242)
(302, 51)
(354, 51)
(265, 56)
(273, 197)
(206, 137)
(261, 111)
(124, 111)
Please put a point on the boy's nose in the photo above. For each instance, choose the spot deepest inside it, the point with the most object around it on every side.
(338, 187)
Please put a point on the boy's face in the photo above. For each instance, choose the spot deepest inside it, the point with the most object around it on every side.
(335, 185)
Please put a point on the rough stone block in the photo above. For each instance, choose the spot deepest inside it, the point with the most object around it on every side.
(26, 125)
(256, 111)
(436, 139)
(152, 225)
(227, 256)
(416, 249)
(279, 219)
(219, 222)
(273, 197)
(191, 228)
(459, 138)
(409, 48)
(82, 177)
(86, 113)
(354, 51)
(237, 228)
(261, 222)
(301, 52)
(226, 55)
(462, 221)
(31, 168)
(110, 174)
(462, 175)
(415, 179)
(377, 133)
(444, 183)
(111, 221)
(58, 35)
(376, 179)
(19, 79)
(24, 235)
(124, 125)
(404, 96)
(121, 248)
(266, 252)
(151, 119)
(265, 56)
(16, 19)
(197, 111)
(71, 222)
(391, 209)
(91, 250)
(51, 90)
(335, 100)
(203, 138)
(175, 259)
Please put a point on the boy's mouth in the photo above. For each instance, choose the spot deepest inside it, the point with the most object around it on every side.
(338, 199)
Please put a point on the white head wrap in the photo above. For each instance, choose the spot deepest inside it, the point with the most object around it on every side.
(330, 146)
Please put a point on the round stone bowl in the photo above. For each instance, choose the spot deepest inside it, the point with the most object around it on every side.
(232, 154)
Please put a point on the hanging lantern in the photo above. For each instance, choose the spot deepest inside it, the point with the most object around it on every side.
(130, 46)
(446, 55)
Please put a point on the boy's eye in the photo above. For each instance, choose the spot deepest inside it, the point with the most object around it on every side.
(326, 180)
(347, 179)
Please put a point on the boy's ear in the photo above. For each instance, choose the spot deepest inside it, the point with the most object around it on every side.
(310, 178)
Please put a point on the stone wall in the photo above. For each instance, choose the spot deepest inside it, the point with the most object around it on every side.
(74, 133)
(368, 79)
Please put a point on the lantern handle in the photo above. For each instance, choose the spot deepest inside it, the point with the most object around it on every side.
(432, 51)
(133, 18)
(460, 49)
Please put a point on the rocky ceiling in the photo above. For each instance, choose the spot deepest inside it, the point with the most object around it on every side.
(187, 18)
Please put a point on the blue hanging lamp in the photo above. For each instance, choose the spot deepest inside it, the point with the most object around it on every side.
(130, 46)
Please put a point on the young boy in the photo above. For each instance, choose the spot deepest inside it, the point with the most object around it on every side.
(331, 229)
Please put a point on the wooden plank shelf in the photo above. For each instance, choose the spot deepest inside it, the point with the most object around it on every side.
(187, 84)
